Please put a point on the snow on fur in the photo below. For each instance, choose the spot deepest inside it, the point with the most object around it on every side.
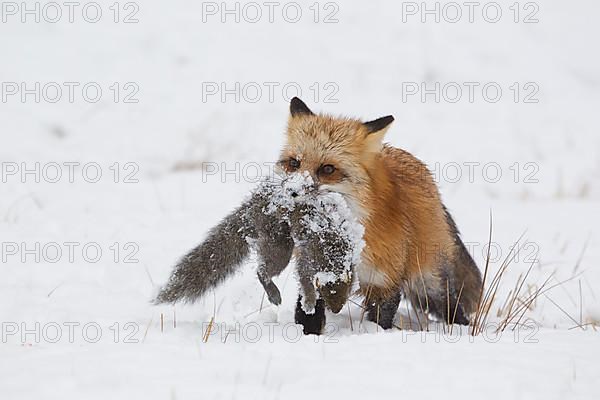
(323, 213)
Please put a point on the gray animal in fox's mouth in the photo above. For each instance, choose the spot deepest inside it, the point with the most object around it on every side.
(278, 218)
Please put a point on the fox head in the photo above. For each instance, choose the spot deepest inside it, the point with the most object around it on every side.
(337, 152)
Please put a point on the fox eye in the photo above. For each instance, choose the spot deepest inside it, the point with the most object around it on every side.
(293, 163)
(327, 169)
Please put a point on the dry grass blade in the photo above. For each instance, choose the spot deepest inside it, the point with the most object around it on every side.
(410, 289)
(523, 307)
(564, 312)
(518, 288)
(527, 303)
(362, 314)
(490, 297)
(491, 292)
(423, 283)
(208, 330)
(456, 306)
(514, 296)
(578, 263)
(367, 300)
(401, 322)
(422, 311)
(212, 319)
(53, 290)
(356, 304)
(580, 304)
(487, 297)
(485, 273)
(147, 329)
(447, 302)
(504, 306)
(591, 289)
(510, 257)
(262, 300)
(592, 324)
(258, 311)
(569, 296)
(350, 317)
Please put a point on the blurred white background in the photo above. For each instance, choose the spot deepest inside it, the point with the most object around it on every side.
(163, 114)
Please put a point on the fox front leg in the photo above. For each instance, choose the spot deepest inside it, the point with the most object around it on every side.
(310, 311)
(312, 324)
(383, 310)
(307, 289)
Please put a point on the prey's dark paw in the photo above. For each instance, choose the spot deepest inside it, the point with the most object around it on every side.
(273, 294)
(312, 324)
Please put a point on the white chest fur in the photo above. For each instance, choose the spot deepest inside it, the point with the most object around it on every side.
(369, 275)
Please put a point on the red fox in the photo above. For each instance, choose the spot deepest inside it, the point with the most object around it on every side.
(412, 245)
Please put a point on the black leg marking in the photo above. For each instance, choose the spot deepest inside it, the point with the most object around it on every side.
(438, 307)
(383, 312)
(459, 318)
(313, 324)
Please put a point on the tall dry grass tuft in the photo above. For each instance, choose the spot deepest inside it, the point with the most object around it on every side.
(517, 302)
(520, 299)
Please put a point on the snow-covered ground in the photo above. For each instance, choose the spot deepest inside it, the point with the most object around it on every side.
(81, 260)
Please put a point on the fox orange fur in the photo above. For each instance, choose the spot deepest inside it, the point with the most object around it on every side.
(412, 245)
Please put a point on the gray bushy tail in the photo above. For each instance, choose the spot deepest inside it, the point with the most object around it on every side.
(209, 264)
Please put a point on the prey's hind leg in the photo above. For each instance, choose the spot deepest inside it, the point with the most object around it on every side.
(274, 255)
(383, 310)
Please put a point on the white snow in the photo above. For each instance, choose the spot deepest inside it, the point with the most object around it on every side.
(156, 203)
(286, 190)
(338, 210)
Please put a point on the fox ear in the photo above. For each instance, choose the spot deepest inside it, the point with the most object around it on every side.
(378, 124)
(376, 129)
(297, 107)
